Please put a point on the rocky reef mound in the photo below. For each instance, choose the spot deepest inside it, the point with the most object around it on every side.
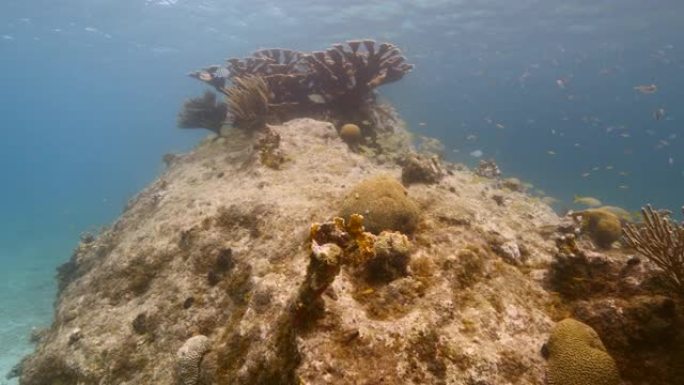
(231, 268)
(191, 284)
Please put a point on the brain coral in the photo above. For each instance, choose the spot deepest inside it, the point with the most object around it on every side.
(188, 359)
(350, 133)
(602, 225)
(577, 356)
(384, 204)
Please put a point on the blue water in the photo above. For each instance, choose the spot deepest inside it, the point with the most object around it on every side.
(91, 90)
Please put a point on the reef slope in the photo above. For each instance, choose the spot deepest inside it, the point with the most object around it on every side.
(219, 243)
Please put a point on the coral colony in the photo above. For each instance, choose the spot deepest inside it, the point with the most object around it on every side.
(275, 85)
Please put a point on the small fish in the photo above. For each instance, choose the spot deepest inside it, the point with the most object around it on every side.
(623, 173)
(658, 114)
(551, 152)
(500, 126)
(316, 98)
(422, 124)
(595, 168)
(623, 187)
(587, 201)
(476, 153)
(670, 161)
(619, 211)
(368, 291)
(561, 83)
(586, 174)
(647, 88)
(625, 135)
(609, 167)
(471, 137)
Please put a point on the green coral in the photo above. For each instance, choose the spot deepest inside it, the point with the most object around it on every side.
(576, 356)
(384, 204)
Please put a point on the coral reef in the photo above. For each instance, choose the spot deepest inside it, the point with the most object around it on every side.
(624, 298)
(662, 242)
(577, 356)
(384, 203)
(221, 246)
(203, 112)
(188, 358)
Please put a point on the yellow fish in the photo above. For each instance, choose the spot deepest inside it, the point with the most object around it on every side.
(587, 201)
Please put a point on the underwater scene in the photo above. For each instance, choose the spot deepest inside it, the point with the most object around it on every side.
(206, 192)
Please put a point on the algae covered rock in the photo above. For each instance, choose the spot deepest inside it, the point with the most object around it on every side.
(384, 204)
(576, 356)
(392, 255)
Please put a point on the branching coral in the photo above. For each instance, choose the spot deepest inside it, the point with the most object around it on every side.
(203, 112)
(336, 82)
(662, 242)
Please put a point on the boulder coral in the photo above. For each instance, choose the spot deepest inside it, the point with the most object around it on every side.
(350, 133)
(384, 204)
(603, 226)
(576, 356)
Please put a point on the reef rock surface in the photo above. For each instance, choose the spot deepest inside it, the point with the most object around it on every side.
(187, 286)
